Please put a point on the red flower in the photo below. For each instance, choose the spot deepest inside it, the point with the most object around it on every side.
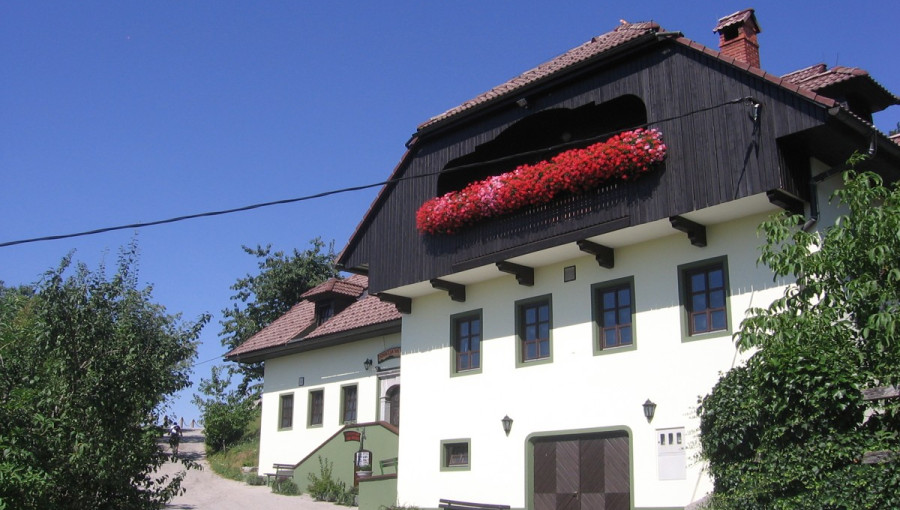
(625, 156)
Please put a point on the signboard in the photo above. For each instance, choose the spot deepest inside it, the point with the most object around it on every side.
(363, 458)
(393, 352)
(351, 435)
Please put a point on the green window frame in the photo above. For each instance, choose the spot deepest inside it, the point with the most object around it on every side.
(705, 298)
(316, 408)
(286, 411)
(456, 454)
(614, 316)
(349, 401)
(534, 331)
(466, 337)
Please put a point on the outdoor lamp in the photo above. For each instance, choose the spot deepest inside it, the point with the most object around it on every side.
(368, 363)
(649, 410)
(507, 424)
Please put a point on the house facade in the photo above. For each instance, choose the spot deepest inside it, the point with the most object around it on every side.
(555, 343)
(331, 365)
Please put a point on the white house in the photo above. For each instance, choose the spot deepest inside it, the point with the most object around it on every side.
(331, 364)
(554, 347)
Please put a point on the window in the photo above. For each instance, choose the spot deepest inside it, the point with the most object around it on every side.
(324, 311)
(614, 314)
(348, 409)
(316, 406)
(287, 411)
(455, 455)
(467, 341)
(704, 296)
(533, 328)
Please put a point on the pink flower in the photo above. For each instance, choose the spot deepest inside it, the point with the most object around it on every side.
(575, 171)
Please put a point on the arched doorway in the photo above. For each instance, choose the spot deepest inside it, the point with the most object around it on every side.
(392, 398)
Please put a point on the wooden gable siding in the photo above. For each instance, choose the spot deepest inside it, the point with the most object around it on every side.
(715, 154)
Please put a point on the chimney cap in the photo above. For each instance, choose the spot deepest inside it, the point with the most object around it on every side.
(739, 18)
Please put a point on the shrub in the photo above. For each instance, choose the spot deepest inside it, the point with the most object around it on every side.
(285, 487)
(325, 488)
(254, 479)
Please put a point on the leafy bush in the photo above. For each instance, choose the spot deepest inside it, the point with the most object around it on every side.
(325, 488)
(285, 488)
(254, 479)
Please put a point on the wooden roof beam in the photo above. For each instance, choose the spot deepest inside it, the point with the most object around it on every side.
(784, 200)
(524, 274)
(457, 291)
(695, 231)
(605, 255)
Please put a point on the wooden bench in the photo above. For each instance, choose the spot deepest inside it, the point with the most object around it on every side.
(450, 504)
(282, 472)
(388, 463)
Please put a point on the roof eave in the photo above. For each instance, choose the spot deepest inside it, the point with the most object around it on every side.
(430, 129)
(311, 344)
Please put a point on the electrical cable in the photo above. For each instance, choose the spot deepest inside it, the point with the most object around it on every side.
(361, 187)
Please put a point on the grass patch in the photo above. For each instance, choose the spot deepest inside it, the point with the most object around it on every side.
(228, 462)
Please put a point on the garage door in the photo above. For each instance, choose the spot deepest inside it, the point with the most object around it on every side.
(589, 472)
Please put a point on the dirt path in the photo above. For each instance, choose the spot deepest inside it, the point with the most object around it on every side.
(208, 491)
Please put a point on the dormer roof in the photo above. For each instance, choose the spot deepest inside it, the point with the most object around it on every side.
(298, 325)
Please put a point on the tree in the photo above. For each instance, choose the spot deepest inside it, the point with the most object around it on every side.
(788, 428)
(226, 411)
(86, 365)
(262, 298)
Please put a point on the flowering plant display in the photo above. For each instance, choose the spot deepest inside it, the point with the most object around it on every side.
(624, 156)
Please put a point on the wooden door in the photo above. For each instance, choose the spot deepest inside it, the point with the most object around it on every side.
(582, 473)
(393, 399)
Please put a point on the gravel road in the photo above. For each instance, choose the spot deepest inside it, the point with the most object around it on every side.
(208, 491)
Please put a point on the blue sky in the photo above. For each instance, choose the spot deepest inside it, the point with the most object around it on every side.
(123, 112)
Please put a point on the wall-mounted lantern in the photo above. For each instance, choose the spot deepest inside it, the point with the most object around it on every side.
(649, 410)
(368, 363)
(507, 424)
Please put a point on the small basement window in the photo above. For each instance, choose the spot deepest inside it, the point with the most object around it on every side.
(455, 455)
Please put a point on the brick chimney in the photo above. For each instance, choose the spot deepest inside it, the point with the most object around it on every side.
(737, 36)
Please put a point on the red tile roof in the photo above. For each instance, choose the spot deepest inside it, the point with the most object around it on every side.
(295, 322)
(299, 323)
(617, 37)
(819, 76)
(368, 311)
(348, 287)
(620, 35)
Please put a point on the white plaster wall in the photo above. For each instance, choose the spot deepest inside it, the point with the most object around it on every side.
(327, 369)
(578, 390)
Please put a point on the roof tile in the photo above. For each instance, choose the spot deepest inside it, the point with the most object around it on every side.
(299, 323)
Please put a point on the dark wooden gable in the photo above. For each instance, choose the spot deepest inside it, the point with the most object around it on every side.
(717, 152)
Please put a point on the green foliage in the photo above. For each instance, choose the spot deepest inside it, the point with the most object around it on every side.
(244, 452)
(226, 412)
(254, 479)
(262, 298)
(788, 429)
(87, 363)
(324, 487)
(285, 487)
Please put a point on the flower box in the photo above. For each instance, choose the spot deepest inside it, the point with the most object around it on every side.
(625, 156)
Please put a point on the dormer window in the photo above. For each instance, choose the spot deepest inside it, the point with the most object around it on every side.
(324, 311)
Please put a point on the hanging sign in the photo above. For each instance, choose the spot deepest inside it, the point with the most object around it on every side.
(393, 352)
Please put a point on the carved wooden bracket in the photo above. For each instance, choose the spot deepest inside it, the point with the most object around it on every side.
(524, 274)
(403, 304)
(695, 231)
(605, 255)
(457, 291)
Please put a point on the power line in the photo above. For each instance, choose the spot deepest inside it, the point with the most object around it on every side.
(749, 100)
